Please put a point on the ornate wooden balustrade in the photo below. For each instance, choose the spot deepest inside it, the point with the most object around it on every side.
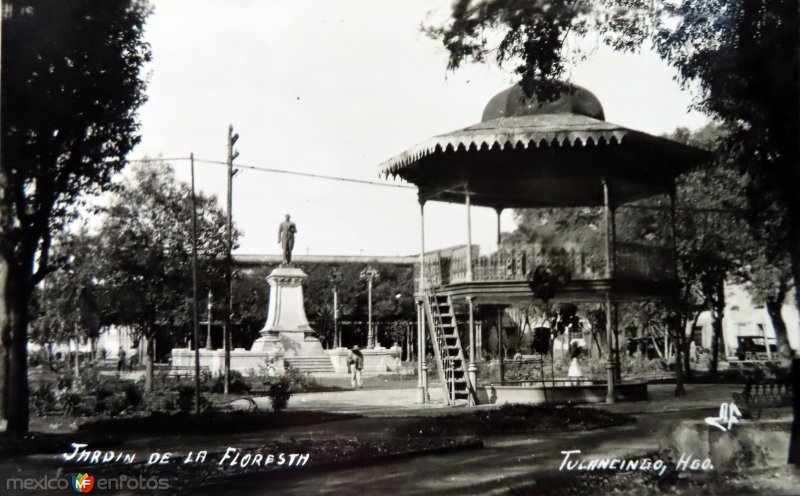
(514, 262)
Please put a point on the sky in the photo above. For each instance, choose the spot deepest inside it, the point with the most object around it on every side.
(336, 87)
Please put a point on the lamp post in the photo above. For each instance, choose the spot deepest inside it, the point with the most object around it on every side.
(369, 274)
(406, 336)
(208, 331)
(335, 277)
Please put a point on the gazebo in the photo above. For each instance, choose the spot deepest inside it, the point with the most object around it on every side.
(530, 154)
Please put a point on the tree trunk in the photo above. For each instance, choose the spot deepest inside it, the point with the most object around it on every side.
(148, 364)
(679, 379)
(17, 408)
(687, 358)
(794, 440)
(715, 330)
(5, 334)
(794, 243)
(717, 314)
(774, 307)
(77, 360)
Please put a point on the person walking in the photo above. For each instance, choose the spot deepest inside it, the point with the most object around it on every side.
(121, 360)
(355, 363)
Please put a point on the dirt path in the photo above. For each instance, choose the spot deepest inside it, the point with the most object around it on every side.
(505, 462)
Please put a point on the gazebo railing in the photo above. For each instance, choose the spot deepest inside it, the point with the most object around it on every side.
(513, 262)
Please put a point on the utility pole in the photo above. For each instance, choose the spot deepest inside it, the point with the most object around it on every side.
(369, 274)
(232, 154)
(194, 297)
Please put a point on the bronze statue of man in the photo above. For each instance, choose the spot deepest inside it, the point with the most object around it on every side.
(286, 238)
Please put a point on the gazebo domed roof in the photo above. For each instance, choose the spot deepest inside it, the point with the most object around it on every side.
(529, 155)
(512, 102)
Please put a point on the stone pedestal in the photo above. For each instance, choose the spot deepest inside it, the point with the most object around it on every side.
(287, 327)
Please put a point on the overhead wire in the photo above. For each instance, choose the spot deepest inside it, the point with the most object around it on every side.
(283, 171)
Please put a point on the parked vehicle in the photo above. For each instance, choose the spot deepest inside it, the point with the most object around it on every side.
(753, 348)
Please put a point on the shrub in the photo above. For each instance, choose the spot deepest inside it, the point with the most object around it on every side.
(71, 403)
(185, 399)
(298, 380)
(238, 384)
(279, 392)
(43, 398)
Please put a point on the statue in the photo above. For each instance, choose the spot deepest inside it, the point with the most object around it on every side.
(286, 238)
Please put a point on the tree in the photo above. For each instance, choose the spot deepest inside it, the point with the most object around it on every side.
(145, 260)
(70, 302)
(72, 84)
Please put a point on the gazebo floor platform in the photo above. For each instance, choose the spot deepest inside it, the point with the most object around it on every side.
(577, 291)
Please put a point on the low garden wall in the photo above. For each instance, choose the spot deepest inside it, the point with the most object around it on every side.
(376, 360)
(248, 363)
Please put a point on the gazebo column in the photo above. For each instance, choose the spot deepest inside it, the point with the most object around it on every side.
(422, 365)
(472, 369)
(611, 394)
(469, 233)
(500, 343)
(499, 211)
(609, 214)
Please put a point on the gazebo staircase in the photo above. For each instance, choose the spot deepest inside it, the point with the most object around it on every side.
(447, 349)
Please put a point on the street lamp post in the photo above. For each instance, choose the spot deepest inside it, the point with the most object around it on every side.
(208, 333)
(337, 339)
(369, 274)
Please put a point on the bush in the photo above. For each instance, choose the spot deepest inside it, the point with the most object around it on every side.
(185, 399)
(279, 392)
(43, 398)
(299, 381)
(71, 403)
(238, 384)
(118, 397)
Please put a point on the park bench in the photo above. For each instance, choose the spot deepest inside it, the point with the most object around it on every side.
(185, 372)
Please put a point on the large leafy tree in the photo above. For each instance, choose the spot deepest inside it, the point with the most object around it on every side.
(71, 300)
(145, 259)
(72, 83)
